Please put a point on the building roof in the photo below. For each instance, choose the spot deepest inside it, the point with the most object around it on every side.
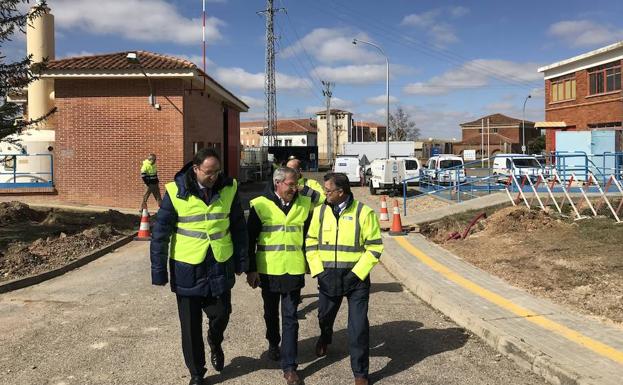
(495, 120)
(599, 51)
(114, 65)
(333, 111)
(286, 126)
(493, 139)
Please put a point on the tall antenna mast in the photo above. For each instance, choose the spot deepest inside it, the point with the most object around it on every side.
(270, 89)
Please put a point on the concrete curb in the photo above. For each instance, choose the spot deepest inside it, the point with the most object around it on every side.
(21, 283)
(525, 355)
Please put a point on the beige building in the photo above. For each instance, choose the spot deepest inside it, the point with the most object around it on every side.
(342, 122)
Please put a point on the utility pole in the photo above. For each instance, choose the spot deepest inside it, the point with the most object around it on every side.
(327, 94)
(270, 89)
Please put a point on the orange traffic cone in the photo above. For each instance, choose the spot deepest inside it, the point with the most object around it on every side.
(144, 234)
(384, 215)
(396, 228)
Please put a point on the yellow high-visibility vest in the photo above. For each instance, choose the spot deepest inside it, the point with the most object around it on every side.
(280, 243)
(312, 189)
(149, 168)
(351, 242)
(200, 226)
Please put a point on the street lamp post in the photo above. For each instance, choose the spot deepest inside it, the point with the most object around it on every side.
(355, 41)
(132, 58)
(523, 126)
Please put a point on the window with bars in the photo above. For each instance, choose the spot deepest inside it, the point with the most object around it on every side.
(562, 88)
(605, 78)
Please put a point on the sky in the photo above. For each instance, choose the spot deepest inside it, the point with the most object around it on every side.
(450, 61)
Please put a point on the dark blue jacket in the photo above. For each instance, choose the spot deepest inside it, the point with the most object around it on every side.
(209, 278)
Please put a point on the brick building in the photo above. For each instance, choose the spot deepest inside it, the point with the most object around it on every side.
(106, 124)
(289, 132)
(504, 135)
(583, 93)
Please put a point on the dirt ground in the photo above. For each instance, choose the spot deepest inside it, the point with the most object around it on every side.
(37, 240)
(574, 263)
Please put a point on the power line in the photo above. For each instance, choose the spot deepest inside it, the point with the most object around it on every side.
(429, 50)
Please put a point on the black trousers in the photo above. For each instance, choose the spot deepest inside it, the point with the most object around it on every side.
(289, 324)
(358, 325)
(217, 309)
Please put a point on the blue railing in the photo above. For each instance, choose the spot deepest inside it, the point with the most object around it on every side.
(12, 177)
(479, 181)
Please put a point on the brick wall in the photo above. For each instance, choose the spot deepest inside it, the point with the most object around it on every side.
(583, 110)
(204, 122)
(104, 130)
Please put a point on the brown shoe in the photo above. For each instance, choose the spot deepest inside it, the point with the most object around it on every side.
(292, 378)
(321, 348)
(361, 381)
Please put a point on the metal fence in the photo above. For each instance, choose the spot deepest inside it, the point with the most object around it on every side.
(477, 181)
(26, 170)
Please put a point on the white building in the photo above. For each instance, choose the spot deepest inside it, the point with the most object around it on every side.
(290, 132)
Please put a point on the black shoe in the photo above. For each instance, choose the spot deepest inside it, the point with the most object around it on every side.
(217, 358)
(274, 353)
(321, 348)
(196, 380)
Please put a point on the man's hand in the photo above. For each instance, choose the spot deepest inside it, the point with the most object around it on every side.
(253, 279)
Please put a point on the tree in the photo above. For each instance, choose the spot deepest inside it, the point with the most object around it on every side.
(16, 75)
(537, 145)
(401, 127)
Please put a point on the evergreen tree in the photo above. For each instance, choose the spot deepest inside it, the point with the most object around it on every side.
(16, 75)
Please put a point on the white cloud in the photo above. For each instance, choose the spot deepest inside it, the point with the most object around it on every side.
(583, 33)
(474, 74)
(353, 74)
(141, 20)
(75, 54)
(332, 45)
(382, 100)
(238, 77)
(360, 74)
(434, 24)
(254, 103)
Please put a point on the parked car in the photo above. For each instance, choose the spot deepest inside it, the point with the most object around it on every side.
(386, 174)
(445, 169)
(349, 165)
(519, 165)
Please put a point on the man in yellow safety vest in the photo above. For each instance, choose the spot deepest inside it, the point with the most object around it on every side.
(343, 244)
(149, 174)
(307, 187)
(277, 223)
(203, 222)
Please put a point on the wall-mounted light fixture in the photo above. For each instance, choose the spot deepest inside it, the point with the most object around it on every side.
(132, 58)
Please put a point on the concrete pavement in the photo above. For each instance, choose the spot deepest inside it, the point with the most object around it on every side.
(564, 347)
(105, 324)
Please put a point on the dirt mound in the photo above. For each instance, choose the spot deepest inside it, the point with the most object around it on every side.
(13, 212)
(22, 259)
(520, 219)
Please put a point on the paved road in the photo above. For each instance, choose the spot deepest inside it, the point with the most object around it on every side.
(105, 324)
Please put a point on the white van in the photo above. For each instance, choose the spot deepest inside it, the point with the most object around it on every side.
(445, 168)
(516, 164)
(348, 165)
(413, 168)
(386, 174)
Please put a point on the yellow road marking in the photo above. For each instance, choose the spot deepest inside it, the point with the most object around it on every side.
(577, 337)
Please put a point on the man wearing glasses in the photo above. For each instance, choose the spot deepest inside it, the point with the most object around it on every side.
(343, 244)
(202, 218)
(278, 221)
(307, 187)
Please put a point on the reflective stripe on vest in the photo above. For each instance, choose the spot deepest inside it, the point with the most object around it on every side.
(280, 243)
(200, 226)
(347, 229)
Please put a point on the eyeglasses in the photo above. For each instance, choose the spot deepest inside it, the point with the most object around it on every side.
(290, 186)
(327, 192)
(211, 174)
